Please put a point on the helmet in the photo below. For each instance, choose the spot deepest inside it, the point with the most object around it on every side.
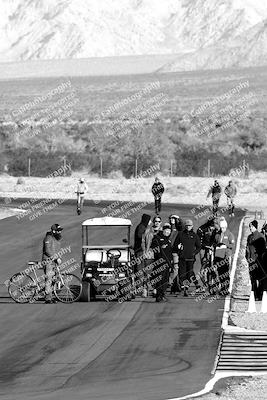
(56, 228)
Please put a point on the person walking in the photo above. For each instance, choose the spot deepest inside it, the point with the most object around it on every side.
(139, 251)
(51, 248)
(187, 245)
(81, 191)
(223, 243)
(230, 192)
(157, 190)
(255, 249)
(163, 262)
(215, 191)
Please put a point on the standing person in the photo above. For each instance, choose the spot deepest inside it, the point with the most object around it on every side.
(164, 262)
(81, 190)
(176, 226)
(187, 245)
(51, 247)
(139, 252)
(150, 233)
(215, 191)
(255, 250)
(157, 190)
(224, 244)
(230, 192)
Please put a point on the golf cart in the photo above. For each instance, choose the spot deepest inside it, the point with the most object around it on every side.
(106, 254)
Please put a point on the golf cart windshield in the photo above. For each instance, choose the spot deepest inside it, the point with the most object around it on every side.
(106, 231)
(110, 235)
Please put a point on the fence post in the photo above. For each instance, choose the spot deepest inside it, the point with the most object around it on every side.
(209, 168)
(29, 166)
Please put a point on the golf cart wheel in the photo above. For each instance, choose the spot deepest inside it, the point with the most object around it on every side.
(69, 290)
(21, 288)
(86, 294)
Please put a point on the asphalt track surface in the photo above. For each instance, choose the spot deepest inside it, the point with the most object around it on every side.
(134, 350)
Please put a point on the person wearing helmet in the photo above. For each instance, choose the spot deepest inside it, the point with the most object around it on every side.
(51, 248)
(82, 189)
(230, 192)
(215, 191)
(224, 245)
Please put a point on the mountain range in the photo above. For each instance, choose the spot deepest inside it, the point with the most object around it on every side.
(203, 34)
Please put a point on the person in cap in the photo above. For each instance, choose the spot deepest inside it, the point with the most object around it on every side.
(230, 192)
(51, 248)
(157, 190)
(139, 251)
(215, 191)
(163, 262)
(187, 245)
(81, 191)
(224, 243)
(255, 250)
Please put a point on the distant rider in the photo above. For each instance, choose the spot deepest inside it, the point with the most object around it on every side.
(230, 192)
(215, 191)
(157, 190)
(82, 189)
(51, 247)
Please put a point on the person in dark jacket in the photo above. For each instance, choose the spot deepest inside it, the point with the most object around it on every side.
(139, 251)
(157, 190)
(187, 244)
(255, 250)
(215, 191)
(51, 248)
(176, 227)
(163, 262)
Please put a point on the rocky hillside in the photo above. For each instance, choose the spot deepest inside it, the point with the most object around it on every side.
(203, 32)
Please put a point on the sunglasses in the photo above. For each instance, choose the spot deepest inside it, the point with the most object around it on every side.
(157, 220)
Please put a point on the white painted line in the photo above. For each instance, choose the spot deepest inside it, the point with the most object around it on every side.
(232, 275)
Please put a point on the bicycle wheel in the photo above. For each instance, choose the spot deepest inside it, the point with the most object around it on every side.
(68, 289)
(21, 288)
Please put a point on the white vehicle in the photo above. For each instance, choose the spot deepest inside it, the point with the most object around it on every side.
(106, 256)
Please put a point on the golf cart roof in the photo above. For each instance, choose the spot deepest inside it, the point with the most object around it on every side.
(107, 221)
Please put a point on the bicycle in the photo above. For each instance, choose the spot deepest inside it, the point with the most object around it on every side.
(24, 288)
(79, 202)
(208, 273)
